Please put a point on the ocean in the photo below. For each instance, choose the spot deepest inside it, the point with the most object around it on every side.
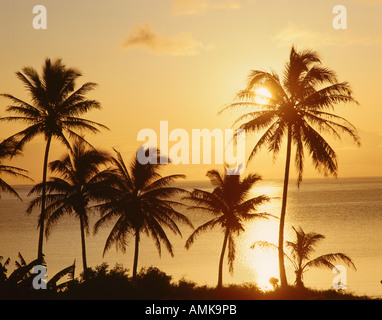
(347, 211)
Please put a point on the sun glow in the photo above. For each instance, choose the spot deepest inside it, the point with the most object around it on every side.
(265, 265)
(263, 261)
(262, 95)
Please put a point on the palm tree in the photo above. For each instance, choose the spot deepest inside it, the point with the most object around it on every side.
(301, 250)
(229, 204)
(298, 109)
(81, 181)
(53, 112)
(141, 201)
(7, 151)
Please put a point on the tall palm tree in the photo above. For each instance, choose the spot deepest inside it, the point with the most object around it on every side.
(299, 110)
(301, 250)
(53, 111)
(141, 201)
(81, 181)
(229, 204)
(7, 151)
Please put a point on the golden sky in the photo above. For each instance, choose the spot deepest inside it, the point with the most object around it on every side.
(181, 61)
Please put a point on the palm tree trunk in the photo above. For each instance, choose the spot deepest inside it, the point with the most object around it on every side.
(283, 278)
(299, 283)
(43, 199)
(136, 251)
(84, 263)
(220, 276)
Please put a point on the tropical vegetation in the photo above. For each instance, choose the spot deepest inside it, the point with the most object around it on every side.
(299, 110)
(81, 182)
(141, 201)
(53, 112)
(138, 200)
(231, 205)
(300, 254)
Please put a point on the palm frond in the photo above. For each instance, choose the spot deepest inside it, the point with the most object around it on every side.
(323, 156)
(204, 227)
(68, 271)
(328, 260)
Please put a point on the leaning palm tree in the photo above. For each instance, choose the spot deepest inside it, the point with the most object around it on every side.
(301, 250)
(141, 201)
(7, 151)
(54, 111)
(81, 181)
(298, 110)
(230, 206)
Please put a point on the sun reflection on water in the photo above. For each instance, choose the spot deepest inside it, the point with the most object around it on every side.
(262, 261)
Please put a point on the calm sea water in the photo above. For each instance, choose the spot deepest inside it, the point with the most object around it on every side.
(347, 211)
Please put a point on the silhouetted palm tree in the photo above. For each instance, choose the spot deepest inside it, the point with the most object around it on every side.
(301, 250)
(81, 181)
(53, 112)
(298, 109)
(7, 151)
(229, 204)
(141, 201)
(304, 246)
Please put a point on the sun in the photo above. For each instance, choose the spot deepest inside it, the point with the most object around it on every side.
(265, 265)
(262, 96)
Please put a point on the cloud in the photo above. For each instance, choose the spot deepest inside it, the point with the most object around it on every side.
(144, 37)
(184, 7)
(293, 34)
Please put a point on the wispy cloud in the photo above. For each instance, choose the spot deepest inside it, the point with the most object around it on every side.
(293, 35)
(183, 7)
(144, 37)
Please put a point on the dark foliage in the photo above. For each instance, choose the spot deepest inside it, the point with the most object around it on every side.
(104, 283)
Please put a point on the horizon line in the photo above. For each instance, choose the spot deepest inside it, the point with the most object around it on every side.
(266, 179)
